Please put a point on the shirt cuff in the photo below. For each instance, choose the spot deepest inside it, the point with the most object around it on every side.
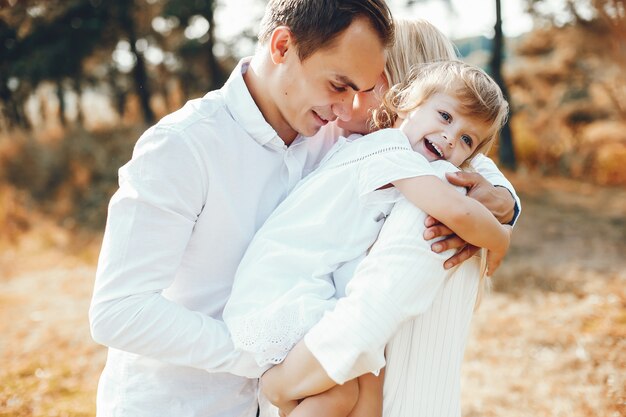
(516, 208)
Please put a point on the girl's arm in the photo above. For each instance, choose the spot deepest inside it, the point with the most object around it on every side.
(370, 402)
(299, 376)
(469, 219)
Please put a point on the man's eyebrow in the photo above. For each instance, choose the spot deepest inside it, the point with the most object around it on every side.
(347, 81)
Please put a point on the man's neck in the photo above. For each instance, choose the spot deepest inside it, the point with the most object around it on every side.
(258, 81)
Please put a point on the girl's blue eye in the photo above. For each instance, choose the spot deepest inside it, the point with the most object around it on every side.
(468, 140)
(445, 116)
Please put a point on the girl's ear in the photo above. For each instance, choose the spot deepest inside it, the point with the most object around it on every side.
(280, 42)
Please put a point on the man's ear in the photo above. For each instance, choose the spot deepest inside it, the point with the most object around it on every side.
(281, 41)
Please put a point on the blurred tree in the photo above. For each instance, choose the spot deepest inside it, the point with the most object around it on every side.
(12, 110)
(197, 12)
(44, 33)
(126, 13)
(77, 27)
(505, 145)
(70, 44)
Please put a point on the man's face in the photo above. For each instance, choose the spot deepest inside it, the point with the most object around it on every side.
(321, 88)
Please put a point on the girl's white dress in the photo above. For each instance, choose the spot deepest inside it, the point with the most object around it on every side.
(284, 282)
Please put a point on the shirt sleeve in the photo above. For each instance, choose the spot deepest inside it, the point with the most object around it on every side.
(488, 169)
(150, 220)
(397, 281)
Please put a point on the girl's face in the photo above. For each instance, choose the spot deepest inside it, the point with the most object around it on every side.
(362, 106)
(438, 130)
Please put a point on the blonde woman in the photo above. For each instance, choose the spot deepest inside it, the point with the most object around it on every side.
(430, 313)
(424, 355)
(441, 119)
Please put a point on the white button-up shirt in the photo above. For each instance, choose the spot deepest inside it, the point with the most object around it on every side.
(199, 185)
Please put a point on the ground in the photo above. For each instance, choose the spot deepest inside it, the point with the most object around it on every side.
(549, 340)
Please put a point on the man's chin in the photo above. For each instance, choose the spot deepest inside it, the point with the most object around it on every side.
(310, 130)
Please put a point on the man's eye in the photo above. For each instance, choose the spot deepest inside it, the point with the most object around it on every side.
(468, 140)
(338, 88)
(445, 116)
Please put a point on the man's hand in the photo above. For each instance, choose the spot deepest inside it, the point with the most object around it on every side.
(435, 229)
(498, 200)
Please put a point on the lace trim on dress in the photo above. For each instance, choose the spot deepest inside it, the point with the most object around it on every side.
(269, 338)
(378, 152)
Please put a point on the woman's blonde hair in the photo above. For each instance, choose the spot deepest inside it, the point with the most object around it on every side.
(478, 94)
(416, 42)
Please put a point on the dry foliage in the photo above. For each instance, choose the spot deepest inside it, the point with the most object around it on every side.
(66, 176)
(569, 88)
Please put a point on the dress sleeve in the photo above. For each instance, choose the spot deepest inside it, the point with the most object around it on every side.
(488, 169)
(385, 157)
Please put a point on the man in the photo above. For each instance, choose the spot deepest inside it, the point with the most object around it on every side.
(200, 183)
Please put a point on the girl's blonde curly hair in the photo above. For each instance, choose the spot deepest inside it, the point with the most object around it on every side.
(478, 94)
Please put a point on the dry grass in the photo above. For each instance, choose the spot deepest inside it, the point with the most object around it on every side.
(50, 365)
(549, 341)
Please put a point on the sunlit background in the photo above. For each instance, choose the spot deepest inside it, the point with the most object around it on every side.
(81, 79)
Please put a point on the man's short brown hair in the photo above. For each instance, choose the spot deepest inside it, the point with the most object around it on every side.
(316, 23)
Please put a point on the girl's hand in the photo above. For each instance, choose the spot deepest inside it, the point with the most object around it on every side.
(495, 257)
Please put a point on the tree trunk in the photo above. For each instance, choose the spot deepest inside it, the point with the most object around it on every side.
(217, 75)
(80, 117)
(140, 75)
(13, 107)
(506, 151)
(61, 98)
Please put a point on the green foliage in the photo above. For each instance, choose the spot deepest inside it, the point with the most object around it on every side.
(184, 10)
(71, 42)
(55, 49)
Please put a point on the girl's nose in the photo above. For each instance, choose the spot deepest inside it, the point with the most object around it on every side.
(449, 139)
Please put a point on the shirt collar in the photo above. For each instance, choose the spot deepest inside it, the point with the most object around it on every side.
(244, 110)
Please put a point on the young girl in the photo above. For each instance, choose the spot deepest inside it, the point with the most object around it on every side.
(448, 112)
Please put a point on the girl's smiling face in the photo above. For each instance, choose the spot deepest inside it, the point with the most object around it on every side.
(438, 130)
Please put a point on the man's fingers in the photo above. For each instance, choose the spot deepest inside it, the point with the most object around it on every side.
(461, 256)
(463, 179)
(437, 231)
(452, 242)
(430, 221)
